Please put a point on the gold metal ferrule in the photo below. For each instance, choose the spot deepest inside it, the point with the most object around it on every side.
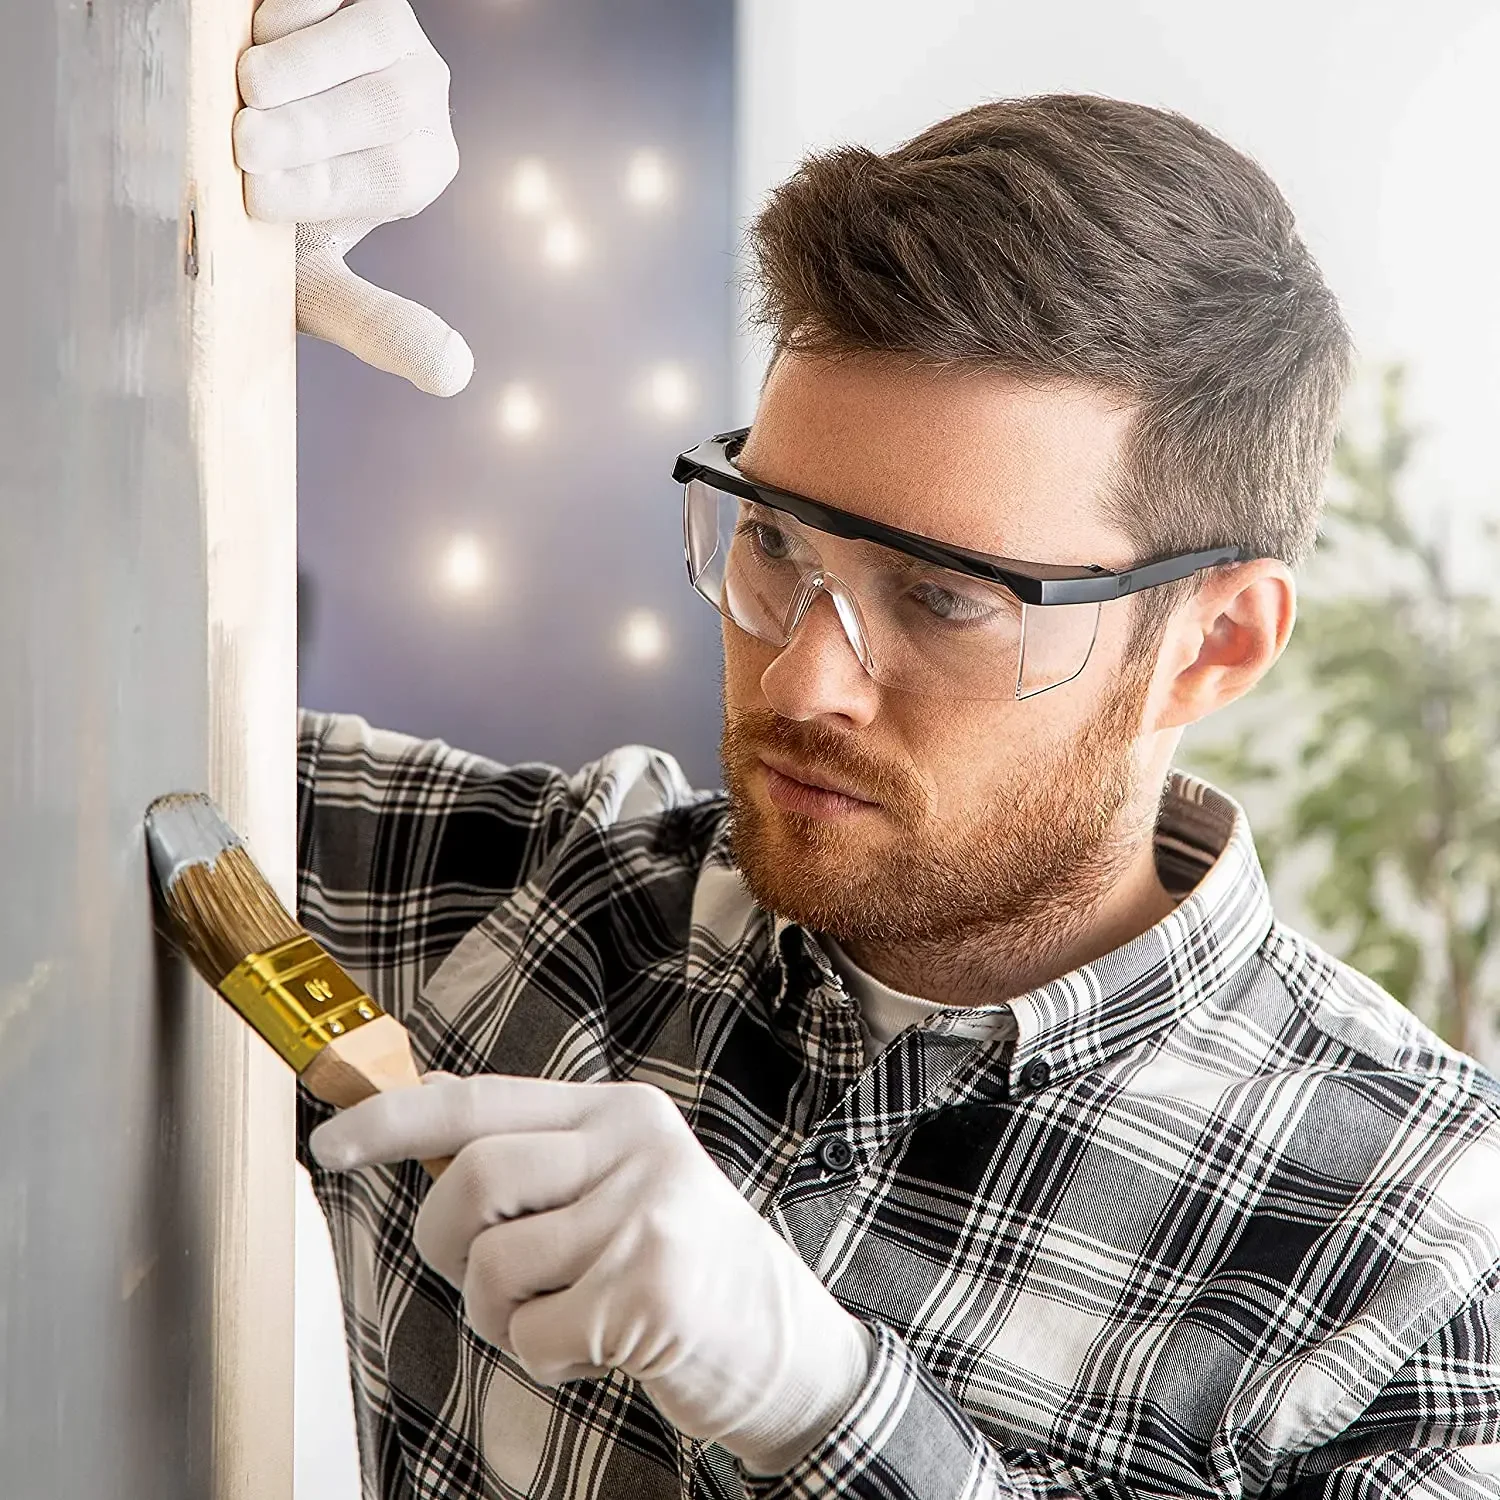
(297, 998)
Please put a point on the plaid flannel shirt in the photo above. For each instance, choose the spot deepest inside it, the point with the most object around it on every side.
(1215, 1217)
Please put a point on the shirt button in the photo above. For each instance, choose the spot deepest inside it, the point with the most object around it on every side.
(835, 1154)
(1037, 1074)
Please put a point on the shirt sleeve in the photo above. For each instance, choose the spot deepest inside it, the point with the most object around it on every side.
(906, 1438)
(403, 845)
(1433, 1433)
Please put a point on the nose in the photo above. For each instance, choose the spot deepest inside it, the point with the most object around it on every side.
(818, 671)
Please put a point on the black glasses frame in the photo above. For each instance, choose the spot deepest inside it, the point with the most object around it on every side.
(1034, 583)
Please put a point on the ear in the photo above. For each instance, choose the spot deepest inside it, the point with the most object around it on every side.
(1223, 640)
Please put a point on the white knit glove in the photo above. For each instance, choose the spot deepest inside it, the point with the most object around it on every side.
(346, 127)
(588, 1230)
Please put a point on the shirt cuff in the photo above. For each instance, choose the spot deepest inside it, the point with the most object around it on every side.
(903, 1435)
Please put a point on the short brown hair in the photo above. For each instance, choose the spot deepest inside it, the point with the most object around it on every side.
(1082, 238)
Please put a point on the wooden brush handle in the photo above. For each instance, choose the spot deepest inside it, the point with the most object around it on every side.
(372, 1059)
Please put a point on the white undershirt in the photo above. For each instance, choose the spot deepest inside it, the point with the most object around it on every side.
(884, 1013)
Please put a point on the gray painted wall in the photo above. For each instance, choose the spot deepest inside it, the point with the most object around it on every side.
(129, 1234)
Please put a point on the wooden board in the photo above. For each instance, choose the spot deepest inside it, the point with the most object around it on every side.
(242, 393)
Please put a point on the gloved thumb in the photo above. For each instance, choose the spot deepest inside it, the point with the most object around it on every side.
(390, 332)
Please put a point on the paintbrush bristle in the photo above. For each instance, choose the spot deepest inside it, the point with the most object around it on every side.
(222, 908)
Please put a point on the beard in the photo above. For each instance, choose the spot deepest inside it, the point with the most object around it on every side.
(1026, 865)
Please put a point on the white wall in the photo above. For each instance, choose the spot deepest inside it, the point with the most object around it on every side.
(1376, 117)
(327, 1454)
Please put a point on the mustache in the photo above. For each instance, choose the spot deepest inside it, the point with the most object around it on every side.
(817, 746)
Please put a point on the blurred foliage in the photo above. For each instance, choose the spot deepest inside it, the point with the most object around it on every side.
(1388, 772)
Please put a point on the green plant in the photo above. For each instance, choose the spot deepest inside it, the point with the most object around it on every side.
(1391, 743)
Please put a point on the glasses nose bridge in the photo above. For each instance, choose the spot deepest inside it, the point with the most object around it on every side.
(845, 606)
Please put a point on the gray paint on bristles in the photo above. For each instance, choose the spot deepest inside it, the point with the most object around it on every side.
(184, 829)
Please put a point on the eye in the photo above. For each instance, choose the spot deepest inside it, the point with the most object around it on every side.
(770, 541)
(954, 609)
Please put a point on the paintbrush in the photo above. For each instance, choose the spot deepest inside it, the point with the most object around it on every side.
(232, 926)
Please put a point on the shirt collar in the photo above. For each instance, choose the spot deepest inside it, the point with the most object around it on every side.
(1070, 1025)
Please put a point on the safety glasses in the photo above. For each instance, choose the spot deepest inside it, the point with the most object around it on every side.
(923, 616)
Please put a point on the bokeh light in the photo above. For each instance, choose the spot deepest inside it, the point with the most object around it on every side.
(642, 638)
(668, 389)
(562, 244)
(464, 566)
(531, 188)
(648, 183)
(519, 411)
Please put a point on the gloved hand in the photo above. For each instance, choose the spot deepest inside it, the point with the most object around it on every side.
(346, 126)
(589, 1230)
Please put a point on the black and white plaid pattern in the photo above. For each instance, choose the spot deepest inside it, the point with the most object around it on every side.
(1220, 1219)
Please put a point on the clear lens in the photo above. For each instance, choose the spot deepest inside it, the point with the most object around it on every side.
(1056, 640)
(915, 627)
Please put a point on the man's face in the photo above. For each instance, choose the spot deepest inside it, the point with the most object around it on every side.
(976, 812)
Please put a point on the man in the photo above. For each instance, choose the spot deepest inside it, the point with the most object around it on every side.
(940, 1111)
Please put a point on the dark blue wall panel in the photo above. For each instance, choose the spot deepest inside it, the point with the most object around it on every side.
(580, 523)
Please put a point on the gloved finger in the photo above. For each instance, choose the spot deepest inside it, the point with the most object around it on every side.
(492, 1180)
(388, 332)
(378, 109)
(277, 18)
(440, 1119)
(565, 1335)
(377, 185)
(513, 1263)
(362, 37)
